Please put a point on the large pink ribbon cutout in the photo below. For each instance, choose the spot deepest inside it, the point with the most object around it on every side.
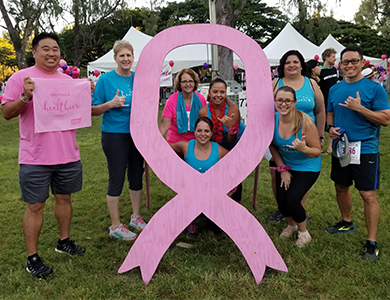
(202, 193)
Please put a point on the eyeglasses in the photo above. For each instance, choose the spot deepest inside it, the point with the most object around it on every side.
(185, 82)
(281, 101)
(354, 61)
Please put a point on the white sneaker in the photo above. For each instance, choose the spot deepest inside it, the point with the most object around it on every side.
(122, 233)
(303, 239)
(288, 231)
(136, 222)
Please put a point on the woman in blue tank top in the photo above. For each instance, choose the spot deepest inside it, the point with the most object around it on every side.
(201, 153)
(296, 150)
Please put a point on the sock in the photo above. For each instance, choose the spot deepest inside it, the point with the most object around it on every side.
(372, 243)
(304, 232)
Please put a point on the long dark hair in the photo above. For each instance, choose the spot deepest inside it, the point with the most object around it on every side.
(310, 65)
(283, 60)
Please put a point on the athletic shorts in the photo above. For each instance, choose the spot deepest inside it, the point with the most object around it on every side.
(35, 180)
(365, 175)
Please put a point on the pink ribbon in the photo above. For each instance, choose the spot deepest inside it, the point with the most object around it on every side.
(196, 192)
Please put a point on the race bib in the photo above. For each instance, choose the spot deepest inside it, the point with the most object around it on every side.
(354, 151)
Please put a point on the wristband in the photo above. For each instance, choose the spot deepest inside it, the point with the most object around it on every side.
(322, 137)
(23, 98)
(281, 169)
(233, 130)
(328, 127)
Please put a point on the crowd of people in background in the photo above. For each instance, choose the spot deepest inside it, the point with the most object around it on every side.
(307, 101)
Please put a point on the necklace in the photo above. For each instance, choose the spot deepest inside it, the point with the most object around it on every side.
(218, 126)
(128, 84)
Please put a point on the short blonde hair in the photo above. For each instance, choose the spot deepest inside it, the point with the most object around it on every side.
(190, 72)
(118, 45)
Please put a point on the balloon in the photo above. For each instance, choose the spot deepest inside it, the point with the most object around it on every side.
(388, 60)
(75, 69)
(388, 69)
(380, 68)
(75, 75)
(336, 66)
(210, 69)
(235, 66)
(65, 67)
(373, 68)
(316, 57)
(70, 68)
(367, 62)
(205, 66)
(171, 63)
(67, 71)
(60, 70)
(96, 73)
(383, 56)
(70, 72)
(376, 65)
(62, 62)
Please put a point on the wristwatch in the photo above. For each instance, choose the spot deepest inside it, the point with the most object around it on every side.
(329, 127)
(24, 99)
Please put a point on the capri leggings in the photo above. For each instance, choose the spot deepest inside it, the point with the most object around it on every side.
(289, 202)
(122, 154)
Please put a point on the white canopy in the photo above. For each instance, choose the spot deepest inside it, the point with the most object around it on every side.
(289, 39)
(331, 42)
(187, 56)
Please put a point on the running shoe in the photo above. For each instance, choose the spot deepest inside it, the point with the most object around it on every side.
(192, 231)
(122, 232)
(303, 239)
(68, 246)
(137, 223)
(341, 227)
(36, 267)
(288, 231)
(276, 217)
(371, 252)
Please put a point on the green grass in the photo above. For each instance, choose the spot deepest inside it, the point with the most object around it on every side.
(329, 268)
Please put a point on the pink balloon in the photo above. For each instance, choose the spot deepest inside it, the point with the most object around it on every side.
(62, 62)
(60, 70)
(67, 71)
(235, 66)
(75, 69)
(367, 62)
(171, 63)
(316, 57)
(70, 68)
(336, 66)
(373, 68)
(96, 73)
(376, 65)
(383, 56)
(210, 69)
(388, 69)
(388, 60)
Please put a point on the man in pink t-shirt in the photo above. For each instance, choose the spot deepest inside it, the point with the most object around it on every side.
(45, 159)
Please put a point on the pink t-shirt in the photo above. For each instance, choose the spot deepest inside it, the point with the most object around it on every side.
(50, 148)
(170, 112)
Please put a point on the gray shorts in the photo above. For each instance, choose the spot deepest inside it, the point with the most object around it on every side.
(35, 180)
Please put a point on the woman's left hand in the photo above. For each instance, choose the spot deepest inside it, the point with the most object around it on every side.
(299, 144)
(227, 121)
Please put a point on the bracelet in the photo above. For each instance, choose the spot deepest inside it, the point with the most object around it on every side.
(281, 169)
(233, 130)
(329, 127)
(23, 99)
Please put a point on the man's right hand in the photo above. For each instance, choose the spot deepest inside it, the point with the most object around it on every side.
(333, 132)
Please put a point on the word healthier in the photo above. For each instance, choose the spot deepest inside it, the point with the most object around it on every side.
(59, 105)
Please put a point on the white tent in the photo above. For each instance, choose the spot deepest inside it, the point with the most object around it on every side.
(331, 42)
(187, 56)
(289, 39)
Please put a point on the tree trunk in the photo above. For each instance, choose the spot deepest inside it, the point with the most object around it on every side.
(227, 15)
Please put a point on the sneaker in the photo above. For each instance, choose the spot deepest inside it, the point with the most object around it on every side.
(288, 231)
(371, 251)
(137, 223)
(122, 232)
(276, 217)
(341, 227)
(36, 267)
(192, 231)
(303, 239)
(68, 246)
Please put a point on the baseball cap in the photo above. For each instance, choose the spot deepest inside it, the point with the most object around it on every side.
(340, 148)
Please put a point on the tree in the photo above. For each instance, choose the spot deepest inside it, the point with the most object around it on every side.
(375, 14)
(27, 16)
(318, 28)
(7, 59)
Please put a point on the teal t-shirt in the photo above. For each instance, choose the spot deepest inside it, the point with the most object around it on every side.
(115, 120)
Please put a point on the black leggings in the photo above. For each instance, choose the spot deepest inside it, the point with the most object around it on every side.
(289, 202)
(122, 154)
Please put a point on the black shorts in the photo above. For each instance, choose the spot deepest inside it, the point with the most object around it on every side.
(365, 175)
(35, 180)
(122, 154)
